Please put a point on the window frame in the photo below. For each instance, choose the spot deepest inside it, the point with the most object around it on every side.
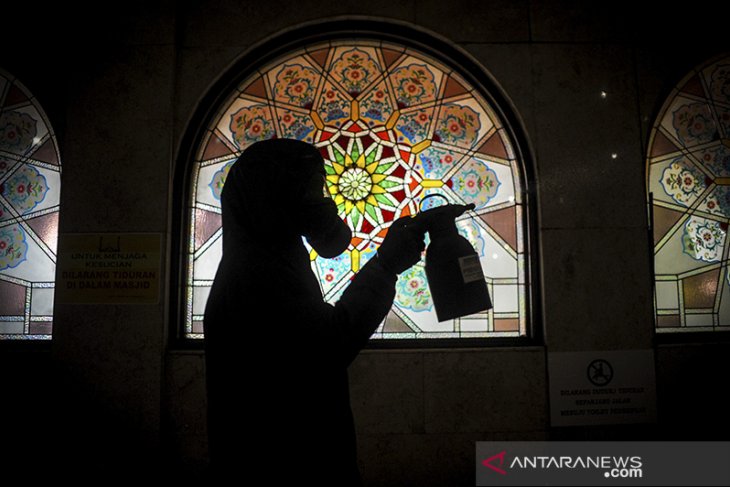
(48, 109)
(666, 96)
(387, 31)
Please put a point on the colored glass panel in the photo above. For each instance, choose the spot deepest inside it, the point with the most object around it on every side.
(393, 125)
(30, 184)
(688, 180)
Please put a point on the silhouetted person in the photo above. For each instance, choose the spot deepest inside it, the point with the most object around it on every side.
(276, 353)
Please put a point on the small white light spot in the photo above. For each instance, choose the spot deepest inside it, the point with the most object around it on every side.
(604, 95)
(494, 256)
(511, 199)
(36, 140)
(614, 156)
(606, 474)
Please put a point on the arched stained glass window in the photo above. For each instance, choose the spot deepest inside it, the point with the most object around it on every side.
(689, 185)
(30, 184)
(394, 125)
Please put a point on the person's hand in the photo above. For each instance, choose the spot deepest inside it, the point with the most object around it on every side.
(402, 246)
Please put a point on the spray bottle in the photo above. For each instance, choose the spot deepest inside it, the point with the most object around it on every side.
(453, 269)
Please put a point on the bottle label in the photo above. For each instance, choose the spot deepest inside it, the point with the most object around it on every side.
(471, 269)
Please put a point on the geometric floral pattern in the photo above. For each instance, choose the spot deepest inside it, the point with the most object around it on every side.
(216, 184)
(394, 125)
(25, 188)
(704, 239)
(13, 246)
(29, 193)
(689, 185)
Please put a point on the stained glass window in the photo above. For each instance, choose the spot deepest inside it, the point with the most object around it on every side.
(30, 184)
(394, 125)
(689, 184)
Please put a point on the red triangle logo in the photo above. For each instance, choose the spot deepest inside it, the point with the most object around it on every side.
(498, 456)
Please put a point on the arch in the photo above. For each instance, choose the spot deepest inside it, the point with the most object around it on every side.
(688, 185)
(30, 185)
(396, 117)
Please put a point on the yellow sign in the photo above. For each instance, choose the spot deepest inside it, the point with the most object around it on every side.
(109, 268)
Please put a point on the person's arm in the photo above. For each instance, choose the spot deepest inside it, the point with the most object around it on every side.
(364, 305)
(345, 327)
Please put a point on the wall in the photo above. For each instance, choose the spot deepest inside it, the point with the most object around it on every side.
(121, 89)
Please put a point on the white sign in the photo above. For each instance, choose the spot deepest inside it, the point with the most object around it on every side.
(612, 387)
